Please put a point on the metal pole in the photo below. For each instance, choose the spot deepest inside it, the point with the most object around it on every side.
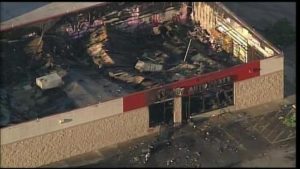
(164, 111)
(187, 50)
(42, 34)
(203, 103)
(186, 111)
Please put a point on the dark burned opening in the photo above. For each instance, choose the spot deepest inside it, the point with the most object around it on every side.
(161, 113)
(213, 98)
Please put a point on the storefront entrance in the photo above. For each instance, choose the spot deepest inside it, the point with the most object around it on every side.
(208, 100)
(161, 113)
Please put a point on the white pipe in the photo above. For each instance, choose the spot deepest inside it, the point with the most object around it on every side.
(187, 50)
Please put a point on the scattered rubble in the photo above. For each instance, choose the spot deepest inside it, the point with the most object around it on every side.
(156, 30)
(126, 77)
(148, 67)
(34, 48)
(96, 48)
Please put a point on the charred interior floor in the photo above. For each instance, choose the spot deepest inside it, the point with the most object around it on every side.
(134, 50)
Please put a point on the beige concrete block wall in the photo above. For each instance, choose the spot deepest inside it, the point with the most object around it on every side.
(68, 142)
(272, 64)
(259, 90)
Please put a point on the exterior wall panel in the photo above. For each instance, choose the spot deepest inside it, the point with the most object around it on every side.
(65, 143)
(51, 123)
(259, 90)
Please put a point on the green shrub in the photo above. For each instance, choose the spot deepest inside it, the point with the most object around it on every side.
(290, 120)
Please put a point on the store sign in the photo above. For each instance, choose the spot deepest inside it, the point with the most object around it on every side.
(164, 94)
(209, 85)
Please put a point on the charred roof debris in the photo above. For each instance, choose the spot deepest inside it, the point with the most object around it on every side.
(124, 47)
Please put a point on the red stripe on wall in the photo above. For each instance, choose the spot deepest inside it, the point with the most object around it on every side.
(134, 101)
(238, 73)
(247, 71)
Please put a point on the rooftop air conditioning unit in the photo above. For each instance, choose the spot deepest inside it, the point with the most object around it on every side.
(50, 81)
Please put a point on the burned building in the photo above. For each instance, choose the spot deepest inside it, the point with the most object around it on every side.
(111, 73)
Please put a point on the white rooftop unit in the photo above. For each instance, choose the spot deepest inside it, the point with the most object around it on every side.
(49, 81)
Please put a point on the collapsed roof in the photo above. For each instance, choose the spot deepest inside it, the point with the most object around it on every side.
(108, 52)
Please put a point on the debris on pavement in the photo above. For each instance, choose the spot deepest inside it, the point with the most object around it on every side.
(147, 156)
